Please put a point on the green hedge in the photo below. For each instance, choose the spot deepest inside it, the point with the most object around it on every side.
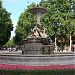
(38, 72)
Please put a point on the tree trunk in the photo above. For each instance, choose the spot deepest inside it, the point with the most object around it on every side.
(55, 44)
(70, 43)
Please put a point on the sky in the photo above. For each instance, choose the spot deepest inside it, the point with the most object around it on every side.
(16, 7)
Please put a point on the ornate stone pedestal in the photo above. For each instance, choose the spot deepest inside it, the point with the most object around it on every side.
(38, 46)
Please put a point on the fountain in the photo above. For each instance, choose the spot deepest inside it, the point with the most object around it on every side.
(36, 46)
(38, 42)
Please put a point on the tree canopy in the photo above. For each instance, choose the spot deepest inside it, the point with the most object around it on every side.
(6, 25)
(60, 16)
(25, 23)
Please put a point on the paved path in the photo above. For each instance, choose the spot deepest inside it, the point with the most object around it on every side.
(9, 52)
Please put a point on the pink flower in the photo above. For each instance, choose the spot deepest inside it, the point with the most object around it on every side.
(25, 67)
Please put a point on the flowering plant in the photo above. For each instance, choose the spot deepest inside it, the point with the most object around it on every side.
(25, 67)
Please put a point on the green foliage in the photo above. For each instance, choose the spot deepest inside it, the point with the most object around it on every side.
(10, 43)
(25, 23)
(60, 17)
(5, 25)
(38, 72)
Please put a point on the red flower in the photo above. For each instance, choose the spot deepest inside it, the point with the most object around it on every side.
(25, 67)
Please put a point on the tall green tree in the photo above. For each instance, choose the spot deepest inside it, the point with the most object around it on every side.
(25, 23)
(60, 16)
(51, 19)
(6, 25)
(60, 19)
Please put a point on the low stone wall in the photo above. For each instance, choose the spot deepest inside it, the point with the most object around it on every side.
(54, 59)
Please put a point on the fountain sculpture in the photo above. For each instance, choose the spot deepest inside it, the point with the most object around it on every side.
(38, 42)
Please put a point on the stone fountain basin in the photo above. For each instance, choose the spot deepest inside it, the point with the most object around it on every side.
(36, 60)
(38, 9)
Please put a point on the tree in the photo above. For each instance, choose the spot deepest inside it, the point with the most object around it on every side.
(10, 43)
(60, 17)
(5, 25)
(25, 23)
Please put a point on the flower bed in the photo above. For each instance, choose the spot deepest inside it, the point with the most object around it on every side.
(24, 67)
(6, 69)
